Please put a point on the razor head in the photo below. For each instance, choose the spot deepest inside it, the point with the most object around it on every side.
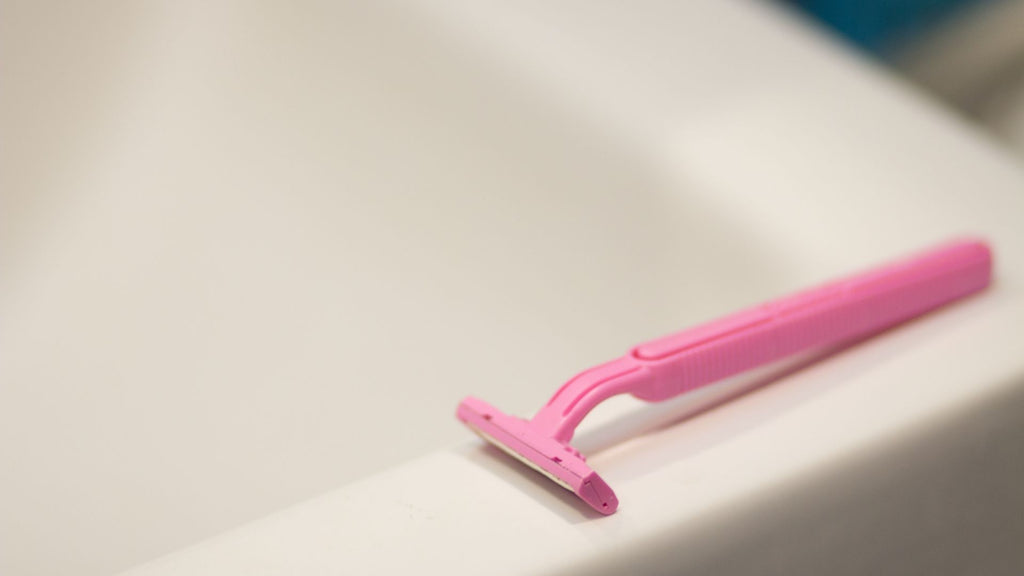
(559, 462)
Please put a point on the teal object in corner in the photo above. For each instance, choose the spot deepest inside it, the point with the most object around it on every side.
(878, 24)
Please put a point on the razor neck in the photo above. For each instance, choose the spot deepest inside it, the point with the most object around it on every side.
(577, 397)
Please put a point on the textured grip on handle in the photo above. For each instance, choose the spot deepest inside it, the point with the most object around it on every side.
(818, 318)
(828, 315)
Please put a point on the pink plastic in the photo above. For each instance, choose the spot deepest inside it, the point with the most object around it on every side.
(666, 367)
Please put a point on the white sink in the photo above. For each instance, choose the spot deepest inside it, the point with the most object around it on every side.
(256, 253)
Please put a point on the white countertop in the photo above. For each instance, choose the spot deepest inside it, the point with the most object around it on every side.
(235, 234)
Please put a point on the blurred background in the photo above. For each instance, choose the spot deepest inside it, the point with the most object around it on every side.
(967, 53)
(231, 232)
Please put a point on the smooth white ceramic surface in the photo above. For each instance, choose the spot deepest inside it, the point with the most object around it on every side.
(233, 234)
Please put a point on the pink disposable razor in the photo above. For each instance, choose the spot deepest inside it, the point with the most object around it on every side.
(661, 369)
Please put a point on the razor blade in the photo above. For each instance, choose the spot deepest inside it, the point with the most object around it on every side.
(848, 309)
